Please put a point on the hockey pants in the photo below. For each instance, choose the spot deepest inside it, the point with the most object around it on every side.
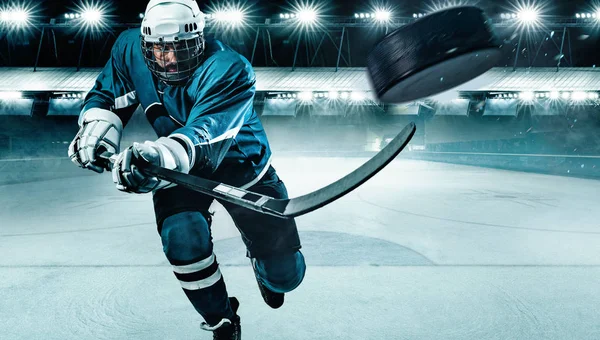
(273, 245)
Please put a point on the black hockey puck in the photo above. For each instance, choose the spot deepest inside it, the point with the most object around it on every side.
(433, 54)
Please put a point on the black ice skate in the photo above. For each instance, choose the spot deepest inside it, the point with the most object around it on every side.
(226, 329)
(272, 299)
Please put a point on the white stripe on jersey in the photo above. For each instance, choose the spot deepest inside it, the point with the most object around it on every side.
(126, 100)
(228, 134)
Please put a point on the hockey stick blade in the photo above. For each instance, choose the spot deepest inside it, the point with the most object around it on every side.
(306, 203)
(283, 208)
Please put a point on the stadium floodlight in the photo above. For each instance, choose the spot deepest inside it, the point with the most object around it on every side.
(554, 95)
(579, 96)
(16, 16)
(357, 96)
(577, 15)
(231, 16)
(237, 17)
(305, 96)
(528, 16)
(526, 96)
(566, 95)
(334, 95)
(20, 16)
(92, 16)
(286, 15)
(383, 15)
(10, 95)
(593, 95)
(307, 15)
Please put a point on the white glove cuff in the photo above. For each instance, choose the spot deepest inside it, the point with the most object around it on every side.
(101, 114)
(173, 155)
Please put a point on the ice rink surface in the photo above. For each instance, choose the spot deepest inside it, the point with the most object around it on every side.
(421, 251)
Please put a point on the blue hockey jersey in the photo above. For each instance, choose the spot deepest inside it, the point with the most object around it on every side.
(213, 114)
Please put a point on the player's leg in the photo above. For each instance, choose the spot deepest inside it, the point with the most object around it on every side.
(280, 273)
(184, 226)
(273, 243)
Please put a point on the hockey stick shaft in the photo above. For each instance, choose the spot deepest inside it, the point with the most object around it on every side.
(283, 208)
(231, 194)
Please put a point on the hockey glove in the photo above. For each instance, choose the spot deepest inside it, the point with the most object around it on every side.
(164, 152)
(100, 130)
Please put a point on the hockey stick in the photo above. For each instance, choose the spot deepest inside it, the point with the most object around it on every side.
(283, 208)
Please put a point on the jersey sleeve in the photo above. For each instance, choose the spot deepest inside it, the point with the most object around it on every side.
(112, 89)
(224, 97)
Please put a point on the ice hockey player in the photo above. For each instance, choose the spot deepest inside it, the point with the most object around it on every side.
(198, 94)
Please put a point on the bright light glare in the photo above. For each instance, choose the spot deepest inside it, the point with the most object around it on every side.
(593, 95)
(382, 15)
(357, 96)
(307, 15)
(234, 16)
(528, 15)
(10, 95)
(566, 95)
(334, 95)
(579, 96)
(554, 95)
(306, 96)
(18, 16)
(526, 96)
(92, 16)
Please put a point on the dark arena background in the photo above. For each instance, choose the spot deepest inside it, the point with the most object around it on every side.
(484, 227)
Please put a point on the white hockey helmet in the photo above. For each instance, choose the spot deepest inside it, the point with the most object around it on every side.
(173, 39)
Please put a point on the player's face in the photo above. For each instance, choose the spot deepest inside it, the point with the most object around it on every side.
(165, 56)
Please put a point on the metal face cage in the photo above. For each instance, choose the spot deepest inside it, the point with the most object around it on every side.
(188, 55)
